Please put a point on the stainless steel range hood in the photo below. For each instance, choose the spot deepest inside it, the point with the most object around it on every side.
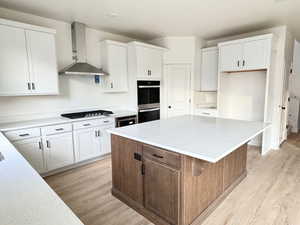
(80, 66)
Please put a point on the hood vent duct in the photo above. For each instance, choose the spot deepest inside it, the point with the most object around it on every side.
(80, 66)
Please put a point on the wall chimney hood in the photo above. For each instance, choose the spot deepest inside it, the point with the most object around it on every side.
(80, 66)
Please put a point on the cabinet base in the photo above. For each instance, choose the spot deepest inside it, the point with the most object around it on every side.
(159, 221)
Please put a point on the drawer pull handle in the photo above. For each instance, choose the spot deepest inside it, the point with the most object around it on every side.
(23, 135)
(205, 113)
(87, 124)
(105, 121)
(158, 156)
(59, 129)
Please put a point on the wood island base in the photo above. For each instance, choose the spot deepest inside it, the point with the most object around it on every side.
(170, 188)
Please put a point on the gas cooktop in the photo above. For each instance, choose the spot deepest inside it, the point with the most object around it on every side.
(78, 115)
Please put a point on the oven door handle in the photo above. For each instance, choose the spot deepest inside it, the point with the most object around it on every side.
(152, 86)
(149, 110)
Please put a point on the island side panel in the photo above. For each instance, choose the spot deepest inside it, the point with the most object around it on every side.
(202, 183)
(235, 165)
(126, 171)
(205, 185)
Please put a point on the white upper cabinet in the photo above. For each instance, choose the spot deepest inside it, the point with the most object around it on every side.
(14, 67)
(246, 54)
(257, 54)
(145, 60)
(230, 57)
(27, 60)
(42, 58)
(209, 69)
(114, 62)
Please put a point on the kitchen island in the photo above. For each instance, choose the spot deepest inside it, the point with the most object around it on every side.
(177, 170)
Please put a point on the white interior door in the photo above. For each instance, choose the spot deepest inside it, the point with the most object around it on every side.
(177, 84)
(14, 68)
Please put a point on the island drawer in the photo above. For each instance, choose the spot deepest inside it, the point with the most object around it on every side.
(169, 158)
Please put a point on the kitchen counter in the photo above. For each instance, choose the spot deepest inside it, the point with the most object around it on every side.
(26, 199)
(4, 127)
(209, 139)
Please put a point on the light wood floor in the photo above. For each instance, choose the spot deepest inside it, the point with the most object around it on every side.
(269, 195)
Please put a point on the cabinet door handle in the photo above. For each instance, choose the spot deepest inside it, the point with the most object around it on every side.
(29, 86)
(87, 124)
(158, 156)
(243, 62)
(40, 145)
(48, 144)
(106, 121)
(111, 85)
(96, 133)
(99, 133)
(238, 63)
(59, 129)
(23, 135)
(33, 86)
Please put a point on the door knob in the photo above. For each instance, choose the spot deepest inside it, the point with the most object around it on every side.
(169, 107)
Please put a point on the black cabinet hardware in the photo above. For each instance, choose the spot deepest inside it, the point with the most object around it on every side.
(137, 156)
(158, 156)
(23, 135)
(143, 169)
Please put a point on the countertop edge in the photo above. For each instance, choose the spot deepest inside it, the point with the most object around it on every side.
(198, 156)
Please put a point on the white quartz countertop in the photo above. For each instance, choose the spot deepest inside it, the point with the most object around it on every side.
(25, 197)
(209, 139)
(56, 120)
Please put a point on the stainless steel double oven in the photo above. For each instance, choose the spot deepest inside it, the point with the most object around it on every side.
(148, 100)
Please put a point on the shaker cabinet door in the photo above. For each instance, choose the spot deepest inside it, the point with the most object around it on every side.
(59, 151)
(42, 57)
(87, 144)
(231, 57)
(14, 67)
(126, 169)
(162, 190)
(32, 151)
(256, 54)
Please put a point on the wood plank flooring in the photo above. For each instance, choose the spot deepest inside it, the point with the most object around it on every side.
(270, 195)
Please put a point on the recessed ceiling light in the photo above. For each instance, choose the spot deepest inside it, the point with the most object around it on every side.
(112, 14)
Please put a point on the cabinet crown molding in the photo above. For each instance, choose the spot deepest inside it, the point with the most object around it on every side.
(254, 38)
(26, 26)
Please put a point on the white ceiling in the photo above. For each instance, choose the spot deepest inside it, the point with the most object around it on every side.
(147, 19)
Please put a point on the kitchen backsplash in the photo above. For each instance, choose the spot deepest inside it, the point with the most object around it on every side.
(205, 99)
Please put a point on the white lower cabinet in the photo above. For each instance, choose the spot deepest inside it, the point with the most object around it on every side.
(105, 138)
(87, 143)
(56, 146)
(32, 151)
(59, 150)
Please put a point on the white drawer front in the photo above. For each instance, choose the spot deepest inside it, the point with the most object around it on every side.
(107, 121)
(23, 134)
(92, 123)
(56, 129)
(85, 124)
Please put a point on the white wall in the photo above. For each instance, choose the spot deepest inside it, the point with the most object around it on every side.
(75, 92)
